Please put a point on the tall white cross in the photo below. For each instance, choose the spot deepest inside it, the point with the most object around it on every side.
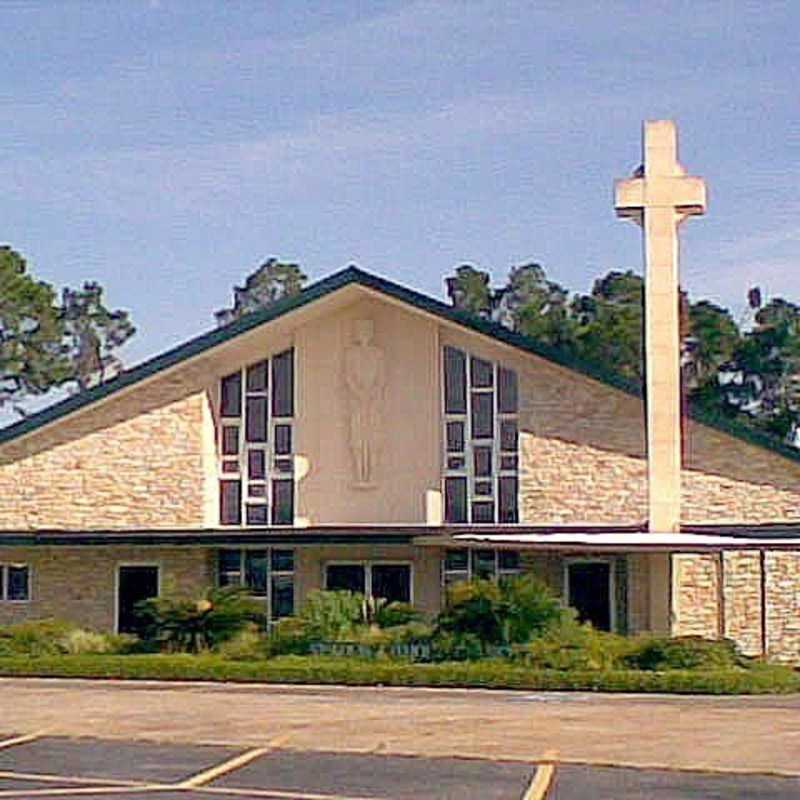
(659, 197)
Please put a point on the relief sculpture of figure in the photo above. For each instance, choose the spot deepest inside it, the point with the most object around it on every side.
(365, 376)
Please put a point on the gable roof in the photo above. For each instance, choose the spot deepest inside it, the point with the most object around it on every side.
(350, 276)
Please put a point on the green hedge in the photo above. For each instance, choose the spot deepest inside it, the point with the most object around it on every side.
(494, 674)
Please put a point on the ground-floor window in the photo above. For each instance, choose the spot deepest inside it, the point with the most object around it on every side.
(266, 573)
(463, 564)
(391, 581)
(15, 582)
(589, 589)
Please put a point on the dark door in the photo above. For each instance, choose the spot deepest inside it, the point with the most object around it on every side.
(136, 583)
(590, 593)
(392, 582)
(346, 577)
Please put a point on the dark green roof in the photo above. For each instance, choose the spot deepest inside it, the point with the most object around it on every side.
(354, 275)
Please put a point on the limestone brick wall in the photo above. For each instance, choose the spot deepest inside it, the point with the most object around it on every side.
(742, 592)
(78, 584)
(783, 606)
(133, 461)
(695, 595)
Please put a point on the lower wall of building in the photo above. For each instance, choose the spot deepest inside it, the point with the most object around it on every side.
(79, 584)
(727, 595)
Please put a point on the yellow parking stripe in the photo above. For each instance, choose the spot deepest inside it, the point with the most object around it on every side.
(19, 740)
(543, 777)
(88, 790)
(49, 778)
(222, 769)
(279, 793)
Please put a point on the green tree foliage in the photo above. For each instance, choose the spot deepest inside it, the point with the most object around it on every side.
(711, 340)
(272, 281)
(32, 357)
(609, 323)
(469, 290)
(92, 333)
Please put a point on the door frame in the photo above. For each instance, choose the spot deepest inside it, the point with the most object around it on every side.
(612, 584)
(117, 569)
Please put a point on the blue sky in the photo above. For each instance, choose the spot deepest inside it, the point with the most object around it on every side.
(165, 147)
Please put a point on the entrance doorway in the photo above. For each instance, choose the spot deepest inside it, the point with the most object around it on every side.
(135, 582)
(590, 592)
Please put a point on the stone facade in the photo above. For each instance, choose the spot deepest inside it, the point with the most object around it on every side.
(742, 596)
(79, 583)
(783, 606)
(696, 593)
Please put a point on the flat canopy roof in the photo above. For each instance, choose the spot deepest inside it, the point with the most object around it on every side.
(625, 542)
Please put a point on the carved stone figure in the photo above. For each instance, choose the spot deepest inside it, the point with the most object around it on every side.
(365, 376)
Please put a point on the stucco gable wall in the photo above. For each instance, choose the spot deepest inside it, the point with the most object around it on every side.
(136, 460)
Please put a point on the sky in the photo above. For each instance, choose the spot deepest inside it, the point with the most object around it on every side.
(166, 148)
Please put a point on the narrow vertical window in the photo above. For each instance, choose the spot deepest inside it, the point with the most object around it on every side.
(455, 437)
(283, 440)
(283, 384)
(257, 377)
(18, 582)
(256, 419)
(230, 440)
(283, 502)
(507, 393)
(482, 415)
(231, 395)
(455, 500)
(508, 499)
(481, 373)
(455, 381)
(230, 502)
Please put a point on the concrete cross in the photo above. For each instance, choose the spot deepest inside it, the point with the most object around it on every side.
(659, 196)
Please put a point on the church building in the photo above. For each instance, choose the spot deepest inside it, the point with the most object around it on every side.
(363, 436)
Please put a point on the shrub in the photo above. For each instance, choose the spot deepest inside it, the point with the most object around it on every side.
(331, 615)
(392, 615)
(574, 646)
(687, 652)
(496, 614)
(247, 645)
(39, 638)
(80, 641)
(179, 624)
(287, 637)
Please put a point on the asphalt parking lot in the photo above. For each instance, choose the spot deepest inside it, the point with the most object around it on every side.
(66, 767)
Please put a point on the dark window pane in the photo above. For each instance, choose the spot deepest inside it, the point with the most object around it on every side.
(482, 511)
(456, 560)
(455, 437)
(283, 502)
(256, 464)
(508, 463)
(284, 465)
(257, 377)
(392, 582)
(482, 415)
(229, 568)
(506, 391)
(230, 502)
(257, 514)
(231, 395)
(283, 560)
(483, 564)
(483, 488)
(283, 440)
(456, 462)
(255, 571)
(508, 500)
(455, 500)
(230, 466)
(18, 588)
(2, 583)
(508, 435)
(256, 423)
(257, 490)
(230, 440)
(283, 384)
(455, 381)
(345, 577)
(282, 596)
(508, 559)
(482, 461)
(481, 373)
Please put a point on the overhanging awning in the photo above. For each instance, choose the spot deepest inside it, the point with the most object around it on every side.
(625, 542)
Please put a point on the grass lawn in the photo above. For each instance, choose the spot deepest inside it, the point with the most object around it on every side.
(494, 674)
